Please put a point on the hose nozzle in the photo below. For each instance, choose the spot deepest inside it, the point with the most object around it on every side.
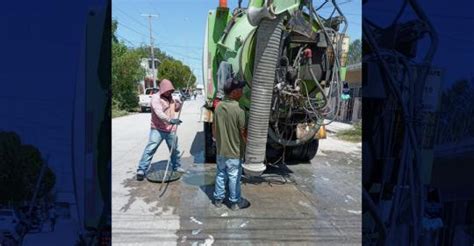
(254, 169)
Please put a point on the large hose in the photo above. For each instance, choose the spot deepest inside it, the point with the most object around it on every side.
(266, 57)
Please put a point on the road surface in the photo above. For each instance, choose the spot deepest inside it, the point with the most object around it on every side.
(310, 203)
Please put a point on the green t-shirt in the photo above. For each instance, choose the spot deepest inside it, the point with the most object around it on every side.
(230, 120)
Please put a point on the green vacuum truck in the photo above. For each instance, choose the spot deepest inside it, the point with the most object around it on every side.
(292, 58)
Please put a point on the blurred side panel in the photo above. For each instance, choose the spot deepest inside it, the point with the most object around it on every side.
(418, 128)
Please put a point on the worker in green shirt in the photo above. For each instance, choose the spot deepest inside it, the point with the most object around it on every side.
(229, 131)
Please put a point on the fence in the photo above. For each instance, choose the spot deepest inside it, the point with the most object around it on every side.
(350, 111)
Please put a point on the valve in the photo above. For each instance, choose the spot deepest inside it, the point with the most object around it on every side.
(308, 53)
(345, 91)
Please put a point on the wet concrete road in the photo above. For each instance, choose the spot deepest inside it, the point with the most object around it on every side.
(306, 204)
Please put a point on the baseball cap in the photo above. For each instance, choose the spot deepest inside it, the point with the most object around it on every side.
(232, 84)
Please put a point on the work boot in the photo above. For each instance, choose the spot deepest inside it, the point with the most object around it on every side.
(242, 204)
(217, 202)
(140, 175)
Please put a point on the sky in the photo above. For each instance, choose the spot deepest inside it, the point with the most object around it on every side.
(179, 28)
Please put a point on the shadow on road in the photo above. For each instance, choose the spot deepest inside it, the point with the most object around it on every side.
(197, 148)
(204, 179)
(273, 175)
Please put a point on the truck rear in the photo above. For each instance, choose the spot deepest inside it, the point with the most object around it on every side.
(292, 60)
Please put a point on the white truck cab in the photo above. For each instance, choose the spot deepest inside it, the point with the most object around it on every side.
(144, 100)
(9, 223)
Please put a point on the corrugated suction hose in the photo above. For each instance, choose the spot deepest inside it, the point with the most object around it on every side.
(266, 58)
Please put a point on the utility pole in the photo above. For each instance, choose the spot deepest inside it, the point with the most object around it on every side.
(38, 185)
(150, 16)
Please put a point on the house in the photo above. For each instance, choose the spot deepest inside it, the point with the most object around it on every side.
(199, 89)
(351, 110)
(147, 82)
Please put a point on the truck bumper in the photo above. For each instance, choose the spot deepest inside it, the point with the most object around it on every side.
(144, 105)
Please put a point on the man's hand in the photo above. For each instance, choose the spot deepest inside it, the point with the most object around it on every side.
(243, 134)
(175, 121)
(178, 105)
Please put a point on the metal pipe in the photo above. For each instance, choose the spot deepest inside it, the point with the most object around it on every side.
(173, 145)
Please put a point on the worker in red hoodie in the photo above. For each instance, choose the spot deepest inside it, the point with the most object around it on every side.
(163, 127)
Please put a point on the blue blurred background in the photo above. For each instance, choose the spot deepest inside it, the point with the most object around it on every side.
(55, 74)
(418, 131)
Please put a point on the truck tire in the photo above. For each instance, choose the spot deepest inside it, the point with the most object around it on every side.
(303, 153)
(274, 151)
(209, 145)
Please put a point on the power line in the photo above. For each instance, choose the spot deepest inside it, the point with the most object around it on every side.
(187, 56)
(128, 26)
(124, 39)
(159, 43)
(132, 18)
(179, 46)
(174, 55)
(136, 20)
(155, 33)
(133, 30)
(339, 3)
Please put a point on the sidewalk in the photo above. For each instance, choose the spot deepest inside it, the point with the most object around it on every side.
(335, 127)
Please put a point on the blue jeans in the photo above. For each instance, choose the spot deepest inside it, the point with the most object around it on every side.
(156, 137)
(228, 170)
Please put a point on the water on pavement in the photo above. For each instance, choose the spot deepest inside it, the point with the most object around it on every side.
(304, 203)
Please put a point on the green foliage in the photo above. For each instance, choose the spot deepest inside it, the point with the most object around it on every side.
(20, 167)
(116, 111)
(127, 72)
(352, 135)
(144, 51)
(114, 30)
(355, 52)
(178, 73)
(170, 68)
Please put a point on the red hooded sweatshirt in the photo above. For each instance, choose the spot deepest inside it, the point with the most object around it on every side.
(164, 109)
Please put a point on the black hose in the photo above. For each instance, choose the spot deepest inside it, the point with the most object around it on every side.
(367, 201)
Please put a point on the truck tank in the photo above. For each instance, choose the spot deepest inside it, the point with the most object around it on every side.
(292, 59)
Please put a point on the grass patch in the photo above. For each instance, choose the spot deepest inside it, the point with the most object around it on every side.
(118, 113)
(352, 135)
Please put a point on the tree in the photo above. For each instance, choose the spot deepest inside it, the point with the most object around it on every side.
(177, 72)
(170, 68)
(114, 31)
(161, 55)
(456, 112)
(354, 55)
(20, 167)
(126, 72)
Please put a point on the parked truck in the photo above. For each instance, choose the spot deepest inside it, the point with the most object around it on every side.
(292, 60)
(144, 100)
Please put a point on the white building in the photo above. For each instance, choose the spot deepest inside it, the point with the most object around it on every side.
(199, 88)
(146, 64)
